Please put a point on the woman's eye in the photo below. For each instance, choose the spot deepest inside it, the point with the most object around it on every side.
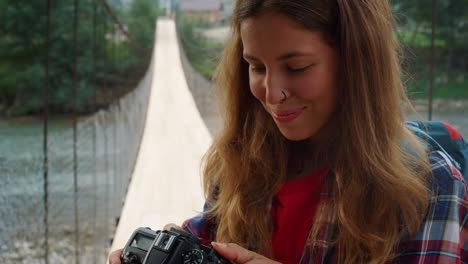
(298, 69)
(257, 69)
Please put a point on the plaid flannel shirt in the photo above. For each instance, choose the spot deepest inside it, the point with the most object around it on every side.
(443, 237)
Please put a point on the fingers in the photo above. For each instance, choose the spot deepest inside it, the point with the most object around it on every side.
(171, 225)
(114, 257)
(239, 255)
(234, 252)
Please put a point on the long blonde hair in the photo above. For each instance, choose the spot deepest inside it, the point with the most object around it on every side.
(380, 188)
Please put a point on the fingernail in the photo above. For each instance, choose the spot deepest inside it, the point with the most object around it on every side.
(217, 244)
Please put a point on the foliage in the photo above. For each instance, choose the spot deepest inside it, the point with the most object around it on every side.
(103, 54)
(451, 45)
(141, 22)
(414, 19)
(202, 53)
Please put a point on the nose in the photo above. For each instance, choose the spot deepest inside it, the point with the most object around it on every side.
(274, 85)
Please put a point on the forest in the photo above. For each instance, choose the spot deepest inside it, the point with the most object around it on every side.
(110, 53)
(113, 46)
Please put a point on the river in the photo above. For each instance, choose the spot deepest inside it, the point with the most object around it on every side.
(100, 185)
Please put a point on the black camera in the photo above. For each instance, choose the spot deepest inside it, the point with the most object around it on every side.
(146, 246)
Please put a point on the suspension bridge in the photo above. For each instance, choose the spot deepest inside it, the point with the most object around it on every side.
(166, 186)
(71, 192)
(134, 163)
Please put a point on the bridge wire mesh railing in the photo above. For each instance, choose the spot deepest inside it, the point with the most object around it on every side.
(64, 177)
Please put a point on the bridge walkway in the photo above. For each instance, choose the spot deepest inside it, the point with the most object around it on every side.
(166, 185)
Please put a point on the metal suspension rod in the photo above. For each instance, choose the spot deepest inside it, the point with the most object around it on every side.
(432, 63)
(115, 187)
(94, 108)
(115, 19)
(114, 50)
(118, 23)
(75, 113)
(114, 127)
(106, 192)
(106, 151)
(45, 130)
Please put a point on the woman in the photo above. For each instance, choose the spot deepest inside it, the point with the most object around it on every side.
(314, 163)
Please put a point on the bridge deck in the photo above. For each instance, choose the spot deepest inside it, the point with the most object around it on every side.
(166, 186)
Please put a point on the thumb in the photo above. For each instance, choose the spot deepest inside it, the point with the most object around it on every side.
(235, 253)
(171, 225)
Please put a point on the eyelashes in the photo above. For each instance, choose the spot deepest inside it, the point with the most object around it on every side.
(257, 69)
(299, 69)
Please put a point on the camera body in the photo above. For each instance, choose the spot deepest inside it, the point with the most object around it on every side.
(146, 246)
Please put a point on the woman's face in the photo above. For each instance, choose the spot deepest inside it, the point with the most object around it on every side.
(288, 61)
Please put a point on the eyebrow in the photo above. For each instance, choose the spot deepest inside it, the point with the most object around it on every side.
(281, 57)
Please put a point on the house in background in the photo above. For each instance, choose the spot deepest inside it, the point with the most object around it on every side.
(227, 7)
(213, 11)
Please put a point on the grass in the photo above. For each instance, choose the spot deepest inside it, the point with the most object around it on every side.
(203, 54)
(421, 40)
(447, 84)
(205, 61)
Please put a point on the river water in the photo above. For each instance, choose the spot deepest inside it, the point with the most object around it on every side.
(103, 177)
(22, 191)
(106, 147)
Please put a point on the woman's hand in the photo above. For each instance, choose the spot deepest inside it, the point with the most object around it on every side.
(171, 225)
(114, 257)
(239, 255)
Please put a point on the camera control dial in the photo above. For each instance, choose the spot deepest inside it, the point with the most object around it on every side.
(194, 256)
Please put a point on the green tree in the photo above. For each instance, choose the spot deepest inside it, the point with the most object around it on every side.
(141, 22)
(451, 42)
(23, 49)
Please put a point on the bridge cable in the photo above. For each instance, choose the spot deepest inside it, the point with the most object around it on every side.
(113, 62)
(106, 163)
(114, 131)
(94, 109)
(119, 24)
(432, 59)
(45, 167)
(114, 18)
(75, 114)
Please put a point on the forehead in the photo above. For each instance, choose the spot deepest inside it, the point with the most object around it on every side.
(273, 32)
(269, 19)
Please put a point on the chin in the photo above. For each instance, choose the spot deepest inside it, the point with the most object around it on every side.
(294, 136)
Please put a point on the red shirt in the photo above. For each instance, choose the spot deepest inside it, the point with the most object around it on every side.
(293, 211)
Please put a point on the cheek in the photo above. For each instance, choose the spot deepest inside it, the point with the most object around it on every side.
(257, 88)
(318, 87)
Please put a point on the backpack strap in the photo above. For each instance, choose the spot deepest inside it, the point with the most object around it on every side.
(443, 137)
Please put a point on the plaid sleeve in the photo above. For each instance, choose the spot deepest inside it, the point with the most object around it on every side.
(444, 232)
(200, 226)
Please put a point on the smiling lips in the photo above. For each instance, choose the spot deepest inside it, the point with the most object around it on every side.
(287, 116)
